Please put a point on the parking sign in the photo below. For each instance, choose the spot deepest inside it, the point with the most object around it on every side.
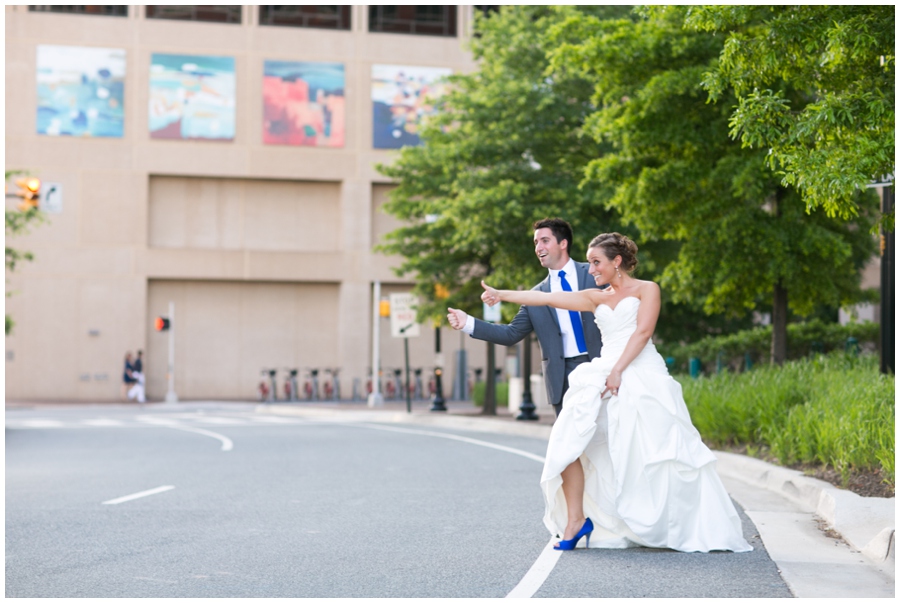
(403, 315)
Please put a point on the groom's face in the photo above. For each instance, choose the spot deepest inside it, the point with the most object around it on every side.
(552, 254)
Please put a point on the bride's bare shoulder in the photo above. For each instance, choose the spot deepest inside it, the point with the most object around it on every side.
(647, 288)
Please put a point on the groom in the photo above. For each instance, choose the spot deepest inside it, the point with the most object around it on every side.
(567, 338)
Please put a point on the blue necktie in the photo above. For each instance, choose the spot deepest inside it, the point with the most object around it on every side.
(574, 316)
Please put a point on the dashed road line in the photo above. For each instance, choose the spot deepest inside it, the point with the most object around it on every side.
(41, 424)
(103, 423)
(136, 495)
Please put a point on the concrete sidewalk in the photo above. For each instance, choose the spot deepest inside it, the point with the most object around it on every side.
(826, 542)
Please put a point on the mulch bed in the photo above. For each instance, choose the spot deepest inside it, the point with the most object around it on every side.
(864, 483)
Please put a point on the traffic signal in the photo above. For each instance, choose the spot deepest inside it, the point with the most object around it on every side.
(161, 323)
(30, 191)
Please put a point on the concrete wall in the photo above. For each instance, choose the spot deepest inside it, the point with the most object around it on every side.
(266, 250)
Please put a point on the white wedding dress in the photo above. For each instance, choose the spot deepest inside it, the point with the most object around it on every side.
(649, 479)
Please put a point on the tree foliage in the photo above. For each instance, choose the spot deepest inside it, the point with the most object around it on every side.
(505, 150)
(814, 88)
(674, 172)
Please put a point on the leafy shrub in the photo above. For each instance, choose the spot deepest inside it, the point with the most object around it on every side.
(501, 393)
(803, 339)
(834, 409)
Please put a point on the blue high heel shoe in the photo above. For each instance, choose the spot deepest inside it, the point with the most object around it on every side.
(586, 529)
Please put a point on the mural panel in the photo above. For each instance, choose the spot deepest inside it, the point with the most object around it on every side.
(80, 91)
(303, 104)
(192, 97)
(399, 102)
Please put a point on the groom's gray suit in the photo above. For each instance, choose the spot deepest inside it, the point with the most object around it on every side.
(544, 321)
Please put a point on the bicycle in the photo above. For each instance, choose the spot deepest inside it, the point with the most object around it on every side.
(389, 388)
(311, 386)
(267, 391)
(290, 385)
(416, 387)
(398, 383)
(332, 385)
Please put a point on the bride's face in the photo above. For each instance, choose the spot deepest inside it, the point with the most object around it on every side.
(601, 267)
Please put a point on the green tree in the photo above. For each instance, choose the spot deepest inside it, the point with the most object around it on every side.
(17, 222)
(505, 150)
(675, 173)
(814, 88)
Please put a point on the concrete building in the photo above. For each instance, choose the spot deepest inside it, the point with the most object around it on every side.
(266, 250)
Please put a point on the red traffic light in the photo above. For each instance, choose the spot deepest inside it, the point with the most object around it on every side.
(161, 323)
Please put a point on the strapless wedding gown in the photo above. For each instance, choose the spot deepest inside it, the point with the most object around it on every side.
(649, 479)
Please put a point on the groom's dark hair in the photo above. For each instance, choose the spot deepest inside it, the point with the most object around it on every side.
(561, 229)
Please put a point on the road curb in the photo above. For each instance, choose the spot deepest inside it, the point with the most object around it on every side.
(865, 523)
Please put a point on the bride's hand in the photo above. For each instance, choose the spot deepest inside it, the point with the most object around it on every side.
(490, 296)
(612, 384)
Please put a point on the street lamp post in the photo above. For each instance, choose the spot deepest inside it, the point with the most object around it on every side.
(527, 406)
(490, 385)
(440, 293)
(437, 404)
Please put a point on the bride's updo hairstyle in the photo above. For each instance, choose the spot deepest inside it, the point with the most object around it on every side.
(613, 244)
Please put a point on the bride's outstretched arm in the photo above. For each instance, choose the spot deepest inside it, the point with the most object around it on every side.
(648, 314)
(580, 301)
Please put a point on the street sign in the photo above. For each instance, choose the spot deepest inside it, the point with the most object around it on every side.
(403, 315)
(52, 198)
(492, 313)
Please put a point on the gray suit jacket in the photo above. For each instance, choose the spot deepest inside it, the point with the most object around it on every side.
(544, 322)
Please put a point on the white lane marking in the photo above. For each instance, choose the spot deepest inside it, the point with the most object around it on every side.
(540, 570)
(122, 499)
(157, 421)
(41, 423)
(278, 420)
(535, 577)
(220, 421)
(449, 436)
(102, 423)
(226, 443)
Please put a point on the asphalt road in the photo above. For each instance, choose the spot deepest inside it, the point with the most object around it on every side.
(237, 504)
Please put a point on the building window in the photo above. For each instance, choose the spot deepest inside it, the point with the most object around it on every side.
(428, 20)
(324, 17)
(119, 10)
(209, 13)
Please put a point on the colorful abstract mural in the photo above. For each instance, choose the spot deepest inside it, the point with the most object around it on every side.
(399, 102)
(192, 97)
(80, 91)
(303, 103)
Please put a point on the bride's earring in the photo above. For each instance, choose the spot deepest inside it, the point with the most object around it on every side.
(619, 274)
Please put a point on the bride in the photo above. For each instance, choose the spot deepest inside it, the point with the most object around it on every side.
(624, 463)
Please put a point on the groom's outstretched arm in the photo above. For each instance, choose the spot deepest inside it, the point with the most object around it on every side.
(507, 335)
(510, 334)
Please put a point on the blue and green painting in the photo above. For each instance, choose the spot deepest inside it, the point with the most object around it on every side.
(80, 91)
(192, 97)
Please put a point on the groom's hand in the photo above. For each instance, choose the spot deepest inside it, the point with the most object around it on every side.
(457, 318)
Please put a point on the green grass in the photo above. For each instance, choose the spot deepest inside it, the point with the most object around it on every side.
(835, 410)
